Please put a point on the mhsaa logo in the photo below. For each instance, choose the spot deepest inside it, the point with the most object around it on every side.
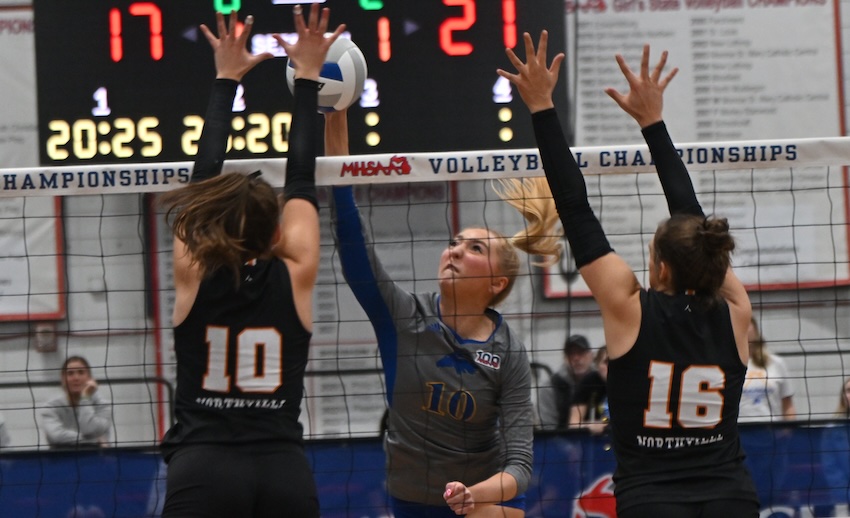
(597, 501)
(398, 165)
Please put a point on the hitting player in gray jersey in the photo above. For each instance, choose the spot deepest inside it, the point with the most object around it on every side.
(458, 380)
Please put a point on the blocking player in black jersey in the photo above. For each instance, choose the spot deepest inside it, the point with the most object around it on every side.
(678, 350)
(244, 270)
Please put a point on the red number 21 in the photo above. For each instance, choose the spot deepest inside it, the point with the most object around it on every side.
(468, 19)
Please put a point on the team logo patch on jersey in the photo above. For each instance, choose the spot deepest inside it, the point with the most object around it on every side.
(490, 360)
(459, 362)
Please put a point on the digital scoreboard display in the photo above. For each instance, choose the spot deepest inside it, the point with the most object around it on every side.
(122, 80)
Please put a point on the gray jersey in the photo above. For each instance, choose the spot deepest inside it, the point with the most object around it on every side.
(459, 409)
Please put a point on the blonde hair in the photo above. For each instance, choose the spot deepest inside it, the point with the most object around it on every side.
(224, 221)
(532, 198)
(758, 354)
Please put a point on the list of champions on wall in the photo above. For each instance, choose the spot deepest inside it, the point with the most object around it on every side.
(744, 74)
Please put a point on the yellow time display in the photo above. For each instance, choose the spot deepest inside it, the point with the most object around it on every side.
(125, 138)
(255, 133)
(85, 139)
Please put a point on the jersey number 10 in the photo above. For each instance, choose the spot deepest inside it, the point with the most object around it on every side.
(259, 360)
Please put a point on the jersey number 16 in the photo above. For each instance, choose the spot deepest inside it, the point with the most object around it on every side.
(700, 401)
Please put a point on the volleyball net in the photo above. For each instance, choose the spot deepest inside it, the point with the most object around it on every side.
(85, 269)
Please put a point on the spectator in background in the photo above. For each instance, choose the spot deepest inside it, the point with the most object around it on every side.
(590, 403)
(767, 397)
(835, 455)
(555, 399)
(768, 394)
(78, 416)
(4, 433)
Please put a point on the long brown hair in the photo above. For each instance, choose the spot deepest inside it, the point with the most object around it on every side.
(532, 198)
(698, 252)
(224, 221)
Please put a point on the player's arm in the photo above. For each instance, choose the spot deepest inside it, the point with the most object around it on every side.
(516, 421)
(463, 500)
(299, 227)
(610, 279)
(232, 62)
(374, 289)
(740, 312)
(645, 102)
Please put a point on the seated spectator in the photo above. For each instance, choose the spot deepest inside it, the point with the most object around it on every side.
(5, 439)
(78, 416)
(590, 403)
(768, 392)
(555, 399)
(767, 397)
(835, 455)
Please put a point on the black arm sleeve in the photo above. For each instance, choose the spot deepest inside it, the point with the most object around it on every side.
(675, 180)
(303, 143)
(213, 144)
(582, 228)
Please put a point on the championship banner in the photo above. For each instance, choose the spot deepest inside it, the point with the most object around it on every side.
(428, 167)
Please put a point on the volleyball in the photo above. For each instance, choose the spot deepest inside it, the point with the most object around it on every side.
(343, 76)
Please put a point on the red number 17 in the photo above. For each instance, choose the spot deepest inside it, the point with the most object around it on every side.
(116, 41)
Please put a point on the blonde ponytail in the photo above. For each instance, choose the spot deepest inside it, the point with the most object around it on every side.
(532, 198)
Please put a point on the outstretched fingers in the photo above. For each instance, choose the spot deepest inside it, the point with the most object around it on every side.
(644, 99)
(242, 39)
(644, 63)
(298, 15)
(535, 81)
(529, 47)
(542, 45)
(666, 81)
(221, 27)
(613, 93)
(324, 19)
(659, 67)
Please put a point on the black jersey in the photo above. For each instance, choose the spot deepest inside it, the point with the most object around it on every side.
(673, 400)
(241, 355)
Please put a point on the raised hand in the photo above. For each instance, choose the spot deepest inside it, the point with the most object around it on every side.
(534, 80)
(645, 99)
(232, 59)
(309, 52)
(89, 389)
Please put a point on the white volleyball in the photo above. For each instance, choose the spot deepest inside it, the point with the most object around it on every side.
(343, 76)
